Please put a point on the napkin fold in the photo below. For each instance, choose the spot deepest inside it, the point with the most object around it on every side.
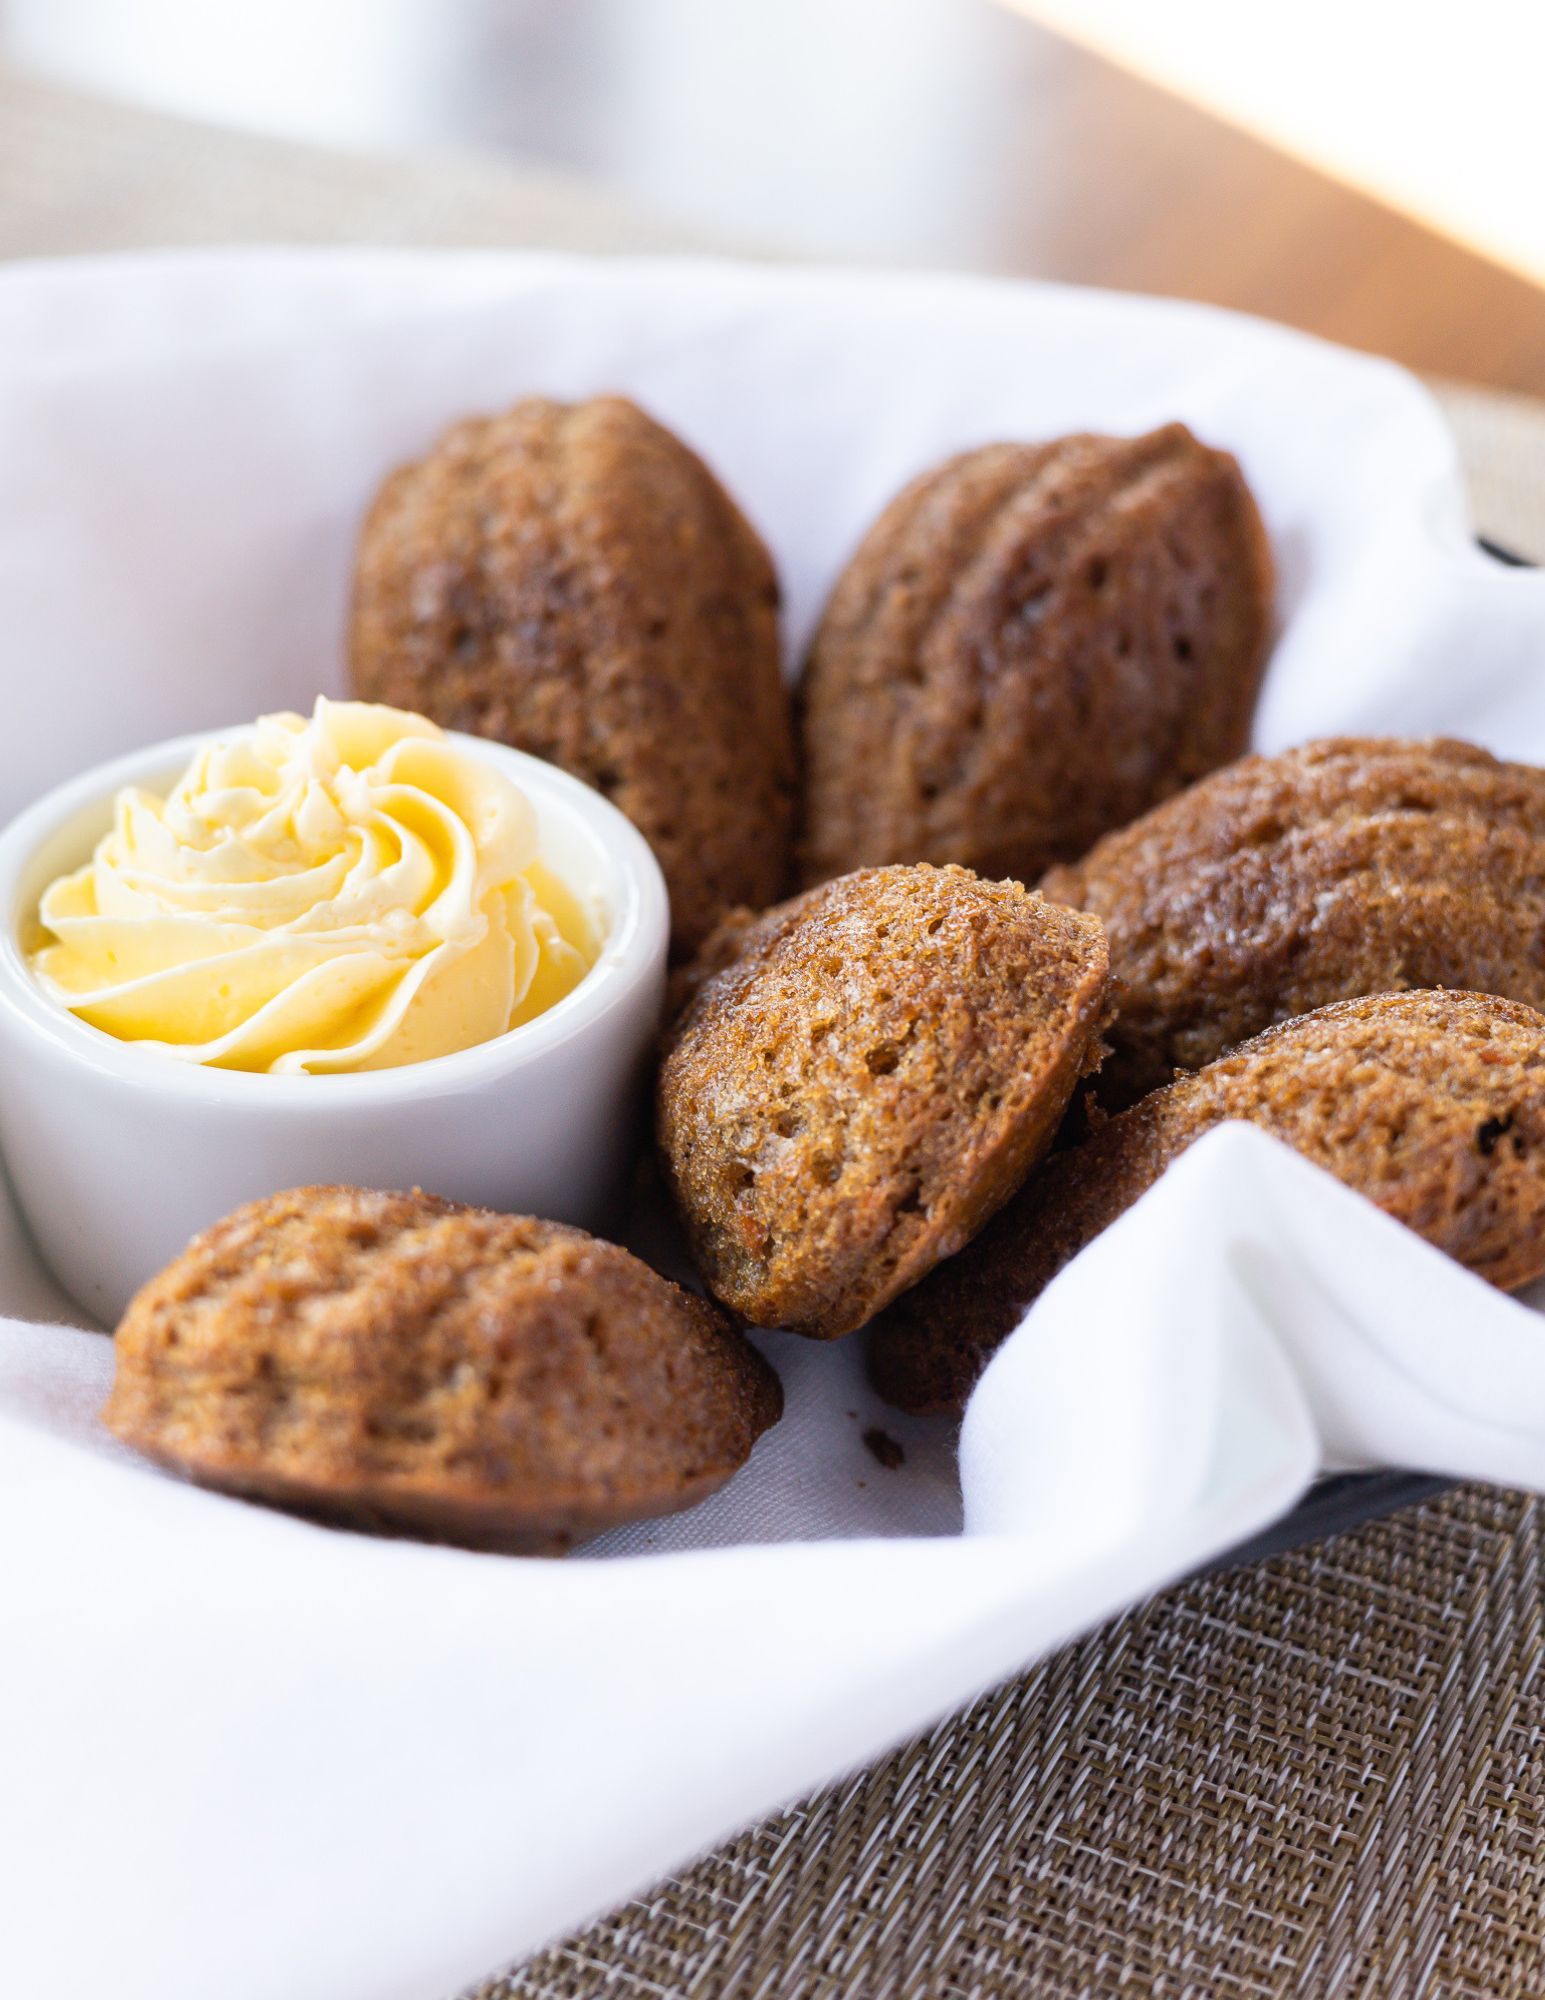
(415, 1762)
(245, 1756)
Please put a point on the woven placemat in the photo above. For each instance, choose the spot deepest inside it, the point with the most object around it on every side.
(1321, 1776)
(1324, 1775)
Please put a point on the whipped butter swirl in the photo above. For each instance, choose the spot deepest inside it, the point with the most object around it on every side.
(348, 892)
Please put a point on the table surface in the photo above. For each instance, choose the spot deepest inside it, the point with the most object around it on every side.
(1317, 1776)
(941, 132)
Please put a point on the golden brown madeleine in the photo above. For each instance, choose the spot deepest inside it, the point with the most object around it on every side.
(572, 580)
(1034, 643)
(398, 1361)
(1356, 865)
(1430, 1104)
(866, 1080)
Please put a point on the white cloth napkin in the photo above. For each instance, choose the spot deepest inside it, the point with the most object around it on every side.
(244, 1756)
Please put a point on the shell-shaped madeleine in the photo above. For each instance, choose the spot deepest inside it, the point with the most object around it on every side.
(1430, 1104)
(398, 1361)
(572, 580)
(1033, 644)
(1350, 866)
(862, 1076)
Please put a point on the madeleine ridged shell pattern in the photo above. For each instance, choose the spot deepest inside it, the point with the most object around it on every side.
(399, 1361)
(1033, 644)
(1350, 866)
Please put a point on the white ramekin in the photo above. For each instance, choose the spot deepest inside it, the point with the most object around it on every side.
(118, 1155)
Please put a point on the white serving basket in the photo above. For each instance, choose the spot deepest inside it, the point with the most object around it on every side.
(247, 1756)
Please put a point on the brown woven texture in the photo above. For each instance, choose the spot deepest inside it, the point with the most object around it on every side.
(1324, 1775)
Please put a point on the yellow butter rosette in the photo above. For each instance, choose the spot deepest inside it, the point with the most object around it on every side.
(348, 892)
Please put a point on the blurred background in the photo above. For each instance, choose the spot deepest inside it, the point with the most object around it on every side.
(1370, 171)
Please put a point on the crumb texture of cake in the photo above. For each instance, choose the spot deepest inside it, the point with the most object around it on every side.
(1033, 644)
(572, 580)
(1347, 867)
(1432, 1105)
(863, 1076)
(399, 1362)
